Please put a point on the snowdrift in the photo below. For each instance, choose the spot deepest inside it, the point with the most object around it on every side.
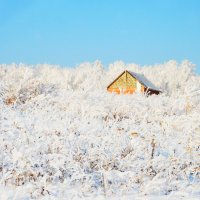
(63, 136)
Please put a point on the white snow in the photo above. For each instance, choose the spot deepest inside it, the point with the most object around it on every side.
(143, 80)
(65, 137)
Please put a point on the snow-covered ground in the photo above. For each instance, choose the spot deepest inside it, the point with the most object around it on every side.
(62, 136)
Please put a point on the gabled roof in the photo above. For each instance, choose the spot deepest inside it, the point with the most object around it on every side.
(141, 78)
(116, 78)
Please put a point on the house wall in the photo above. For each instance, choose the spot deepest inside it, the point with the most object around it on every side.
(131, 82)
(119, 83)
(125, 84)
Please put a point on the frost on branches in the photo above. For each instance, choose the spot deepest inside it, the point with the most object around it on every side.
(63, 136)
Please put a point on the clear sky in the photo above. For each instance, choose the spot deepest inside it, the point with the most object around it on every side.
(69, 32)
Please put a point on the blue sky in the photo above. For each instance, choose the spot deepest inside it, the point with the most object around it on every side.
(69, 32)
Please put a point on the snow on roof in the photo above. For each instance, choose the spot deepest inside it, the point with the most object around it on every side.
(143, 80)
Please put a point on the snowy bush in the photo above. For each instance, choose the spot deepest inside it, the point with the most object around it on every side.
(63, 136)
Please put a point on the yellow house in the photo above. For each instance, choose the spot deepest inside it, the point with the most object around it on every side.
(129, 82)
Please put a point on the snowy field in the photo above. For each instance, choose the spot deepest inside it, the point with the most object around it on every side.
(62, 136)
